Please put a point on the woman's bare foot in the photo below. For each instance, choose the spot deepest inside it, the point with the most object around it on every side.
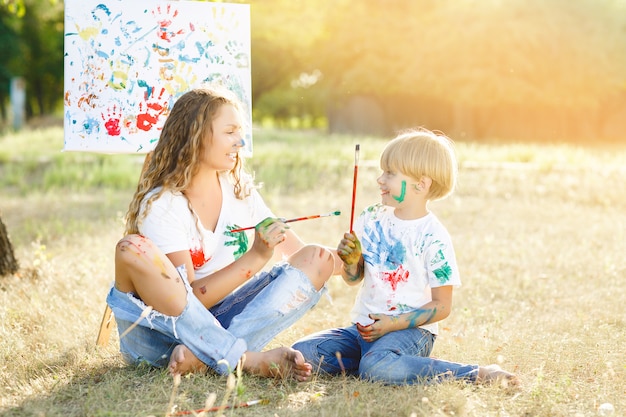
(493, 373)
(183, 361)
(278, 363)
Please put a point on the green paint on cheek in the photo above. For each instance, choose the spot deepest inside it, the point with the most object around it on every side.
(402, 193)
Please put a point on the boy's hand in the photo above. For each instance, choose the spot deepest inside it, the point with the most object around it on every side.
(382, 325)
(349, 249)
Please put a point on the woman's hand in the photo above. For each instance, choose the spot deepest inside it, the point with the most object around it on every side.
(269, 233)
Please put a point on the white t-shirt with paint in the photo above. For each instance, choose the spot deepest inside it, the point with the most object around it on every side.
(171, 225)
(404, 259)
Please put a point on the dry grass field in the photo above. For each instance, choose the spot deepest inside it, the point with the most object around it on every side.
(540, 235)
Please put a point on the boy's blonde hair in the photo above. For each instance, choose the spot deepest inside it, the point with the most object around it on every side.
(419, 153)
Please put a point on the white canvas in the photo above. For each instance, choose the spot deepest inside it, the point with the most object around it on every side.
(126, 63)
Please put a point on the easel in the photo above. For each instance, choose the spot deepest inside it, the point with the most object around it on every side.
(108, 322)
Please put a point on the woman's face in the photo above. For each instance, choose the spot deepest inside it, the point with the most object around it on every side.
(221, 150)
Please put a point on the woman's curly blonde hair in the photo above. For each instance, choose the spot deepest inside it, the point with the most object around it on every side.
(176, 157)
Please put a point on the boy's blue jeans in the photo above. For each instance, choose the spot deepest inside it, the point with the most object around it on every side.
(397, 358)
(246, 320)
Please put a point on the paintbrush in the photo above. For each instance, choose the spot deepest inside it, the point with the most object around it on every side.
(297, 219)
(224, 407)
(356, 171)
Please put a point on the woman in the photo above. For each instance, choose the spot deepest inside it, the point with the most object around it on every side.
(211, 303)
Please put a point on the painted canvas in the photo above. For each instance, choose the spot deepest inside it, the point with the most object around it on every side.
(126, 63)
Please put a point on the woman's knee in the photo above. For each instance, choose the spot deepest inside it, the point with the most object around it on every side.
(134, 246)
(130, 246)
(132, 255)
(316, 262)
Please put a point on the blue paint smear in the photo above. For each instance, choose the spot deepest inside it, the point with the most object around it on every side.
(91, 125)
(386, 250)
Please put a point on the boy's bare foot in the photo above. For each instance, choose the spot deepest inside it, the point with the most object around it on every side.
(493, 373)
(278, 363)
(183, 361)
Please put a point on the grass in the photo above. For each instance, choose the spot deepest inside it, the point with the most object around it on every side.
(539, 232)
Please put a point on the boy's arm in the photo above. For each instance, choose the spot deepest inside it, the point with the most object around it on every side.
(353, 274)
(436, 310)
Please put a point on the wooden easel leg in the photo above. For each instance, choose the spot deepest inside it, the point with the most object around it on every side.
(108, 321)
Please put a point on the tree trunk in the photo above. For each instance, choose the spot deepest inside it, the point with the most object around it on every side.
(8, 263)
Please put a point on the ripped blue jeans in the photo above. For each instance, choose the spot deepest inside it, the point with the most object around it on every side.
(397, 358)
(246, 320)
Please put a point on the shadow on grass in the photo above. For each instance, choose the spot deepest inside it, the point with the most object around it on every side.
(111, 388)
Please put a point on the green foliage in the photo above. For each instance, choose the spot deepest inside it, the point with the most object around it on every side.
(33, 43)
(42, 34)
(304, 104)
(15, 7)
(32, 161)
(284, 33)
(78, 172)
(544, 52)
(287, 161)
(474, 67)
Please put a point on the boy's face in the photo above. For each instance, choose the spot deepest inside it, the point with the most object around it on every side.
(405, 194)
(395, 188)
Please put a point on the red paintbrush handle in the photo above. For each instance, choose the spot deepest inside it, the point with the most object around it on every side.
(357, 148)
(356, 170)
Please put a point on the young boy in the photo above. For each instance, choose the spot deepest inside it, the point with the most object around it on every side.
(404, 260)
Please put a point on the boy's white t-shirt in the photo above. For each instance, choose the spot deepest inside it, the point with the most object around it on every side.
(404, 259)
(171, 225)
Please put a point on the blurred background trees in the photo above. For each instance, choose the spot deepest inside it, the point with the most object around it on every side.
(31, 46)
(550, 70)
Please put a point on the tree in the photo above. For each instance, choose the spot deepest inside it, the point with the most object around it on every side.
(8, 263)
(42, 37)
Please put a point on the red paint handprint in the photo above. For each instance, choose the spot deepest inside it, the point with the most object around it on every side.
(149, 115)
(165, 31)
(112, 121)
